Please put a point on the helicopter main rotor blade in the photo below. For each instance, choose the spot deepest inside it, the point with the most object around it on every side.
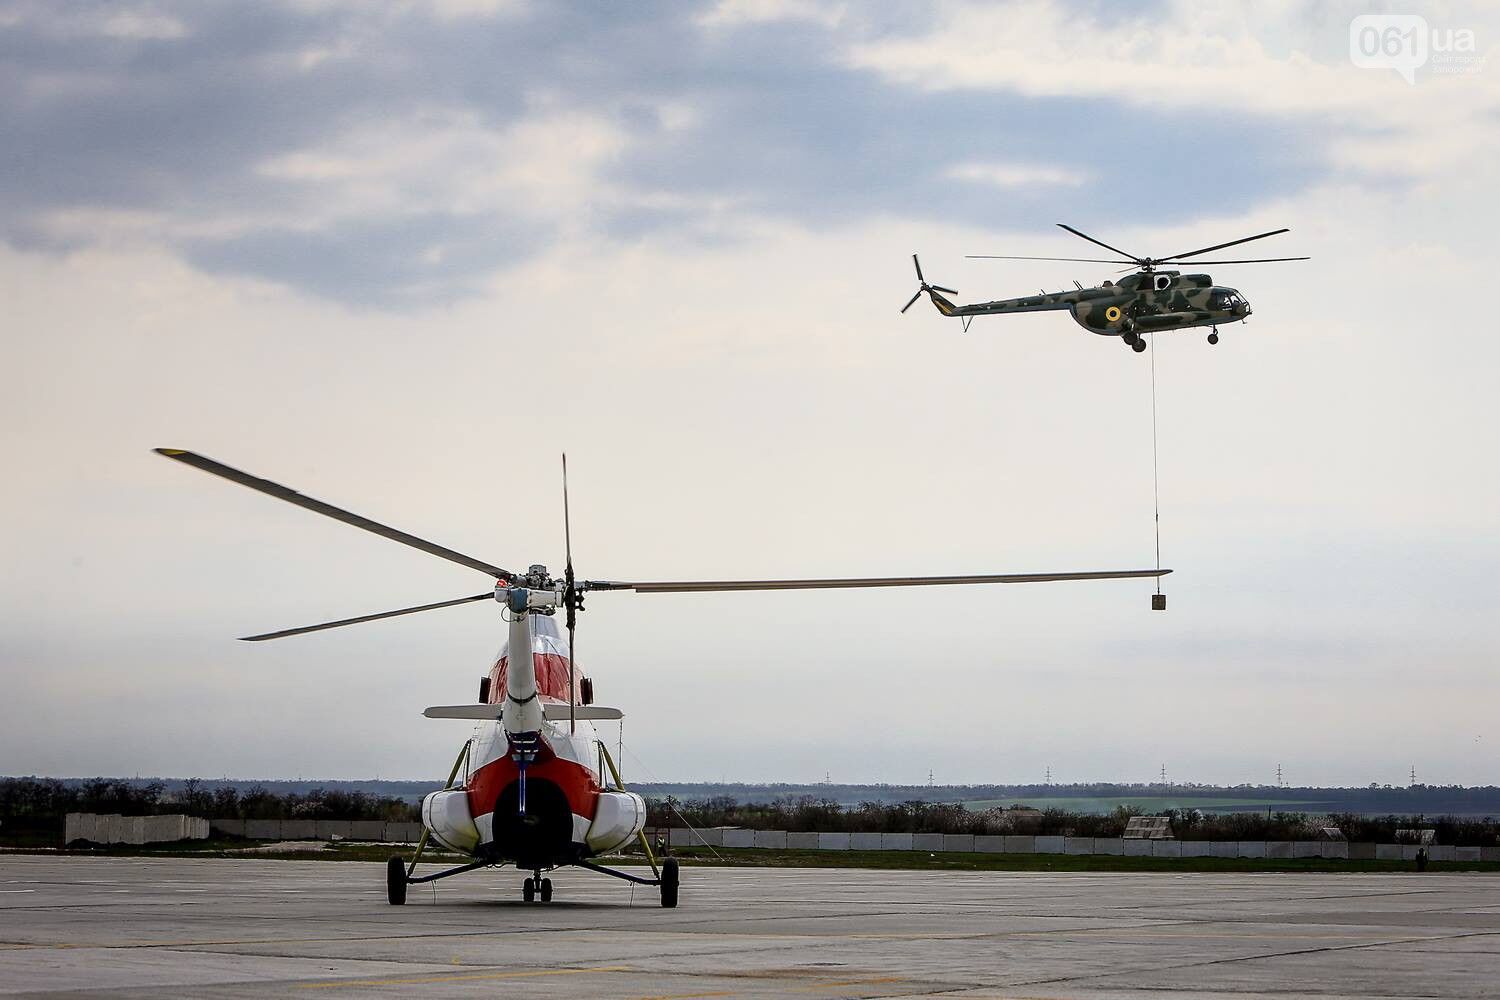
(1221, 246)
(1258, 260)
(685, 587)
(328, 510)
(1122, 253)
(1073, 260)
(912, 300)
(487, 596)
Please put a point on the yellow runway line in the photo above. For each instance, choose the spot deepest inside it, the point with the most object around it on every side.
(841, 984)
(464, 977)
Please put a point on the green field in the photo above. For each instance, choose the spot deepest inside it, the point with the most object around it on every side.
(1150, 804)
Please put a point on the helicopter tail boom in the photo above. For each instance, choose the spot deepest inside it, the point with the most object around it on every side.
(522, 711)
(1044, 302)
(943, 305)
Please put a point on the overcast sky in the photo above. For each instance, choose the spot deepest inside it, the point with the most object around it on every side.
(401, 257)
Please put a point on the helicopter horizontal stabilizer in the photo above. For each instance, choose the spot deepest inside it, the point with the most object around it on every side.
(553, 711)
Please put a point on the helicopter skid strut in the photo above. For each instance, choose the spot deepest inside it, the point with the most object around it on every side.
(410, 880)
(397, 879)
(637, 879)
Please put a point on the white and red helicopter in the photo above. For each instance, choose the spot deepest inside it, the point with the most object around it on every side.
(541, 790)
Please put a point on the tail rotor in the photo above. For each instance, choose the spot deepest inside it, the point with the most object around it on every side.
(923, 286)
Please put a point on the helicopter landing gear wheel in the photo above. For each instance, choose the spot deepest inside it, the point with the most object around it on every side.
(528, 891)
(546, 890)
(1213, 338)
(395, 881)
(1138, 345)
(669, 882)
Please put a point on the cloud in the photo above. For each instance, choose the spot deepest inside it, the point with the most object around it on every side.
(1016, 175)
(1286, 62)
(278, 142)
(732, 13)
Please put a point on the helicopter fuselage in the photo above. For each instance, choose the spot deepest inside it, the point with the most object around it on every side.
(535, 795)
(1145, 302)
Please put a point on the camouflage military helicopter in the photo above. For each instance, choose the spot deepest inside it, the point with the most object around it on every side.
(1150, 300)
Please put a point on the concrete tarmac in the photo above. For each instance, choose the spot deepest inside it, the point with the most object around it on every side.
(254, 928)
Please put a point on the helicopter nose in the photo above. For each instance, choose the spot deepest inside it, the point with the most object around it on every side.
(1244, 309)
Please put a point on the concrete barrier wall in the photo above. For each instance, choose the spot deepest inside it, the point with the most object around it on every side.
(81, 826)
(302, 829)
(112, 828)
(263, 829)
(1333, 849)
(163, 829)
(739, 838)
(308, 829)
(86, 827)
(331, 829)
(403, 833)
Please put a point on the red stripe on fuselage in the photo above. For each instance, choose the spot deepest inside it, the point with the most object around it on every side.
(576, 782)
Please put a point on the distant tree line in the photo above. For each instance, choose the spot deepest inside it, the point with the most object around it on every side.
(809, 814)
(40, 803)
(50, 798)
(1373, 799)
